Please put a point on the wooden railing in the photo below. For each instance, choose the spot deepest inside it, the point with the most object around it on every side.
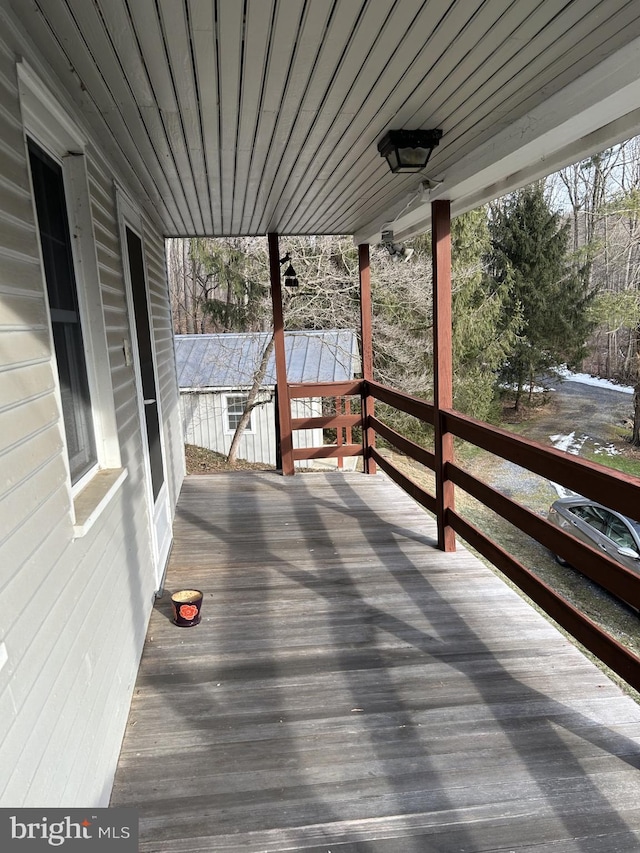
(618, 491)
(345, 422)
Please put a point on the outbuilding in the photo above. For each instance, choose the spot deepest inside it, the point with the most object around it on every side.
(215, 375)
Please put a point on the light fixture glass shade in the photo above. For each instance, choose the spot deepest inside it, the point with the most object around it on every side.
(290, 279)
(408, 150)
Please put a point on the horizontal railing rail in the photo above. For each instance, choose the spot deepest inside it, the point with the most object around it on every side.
(589, 479)
(327, 451)
(299, 390)
(326, 422)
(618, 491)
(422, 496)
(420, 409)
(405, 445)
(607, 572)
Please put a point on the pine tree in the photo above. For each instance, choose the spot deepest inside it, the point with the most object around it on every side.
(483, 326)
(530, 252)
(234, 269)
(483, 329)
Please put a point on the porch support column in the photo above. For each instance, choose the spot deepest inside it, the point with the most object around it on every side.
(284, 406)
(442, 365)
(368, 433)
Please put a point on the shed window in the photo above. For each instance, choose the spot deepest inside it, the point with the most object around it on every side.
(53, 227)
(235, 410)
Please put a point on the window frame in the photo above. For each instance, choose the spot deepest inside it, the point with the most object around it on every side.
(51, 129)
(228, 414)
(66, 323)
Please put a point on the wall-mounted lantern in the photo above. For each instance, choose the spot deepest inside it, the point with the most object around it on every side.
(289, 275)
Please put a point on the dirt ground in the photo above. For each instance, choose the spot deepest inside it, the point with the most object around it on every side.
(203, 461)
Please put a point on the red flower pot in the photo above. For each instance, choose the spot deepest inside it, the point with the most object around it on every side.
(186, 607)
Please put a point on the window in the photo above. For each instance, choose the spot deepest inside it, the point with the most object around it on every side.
(235, 410)
(620, 533)
(593, 515)
(55, 241)
(56, 155)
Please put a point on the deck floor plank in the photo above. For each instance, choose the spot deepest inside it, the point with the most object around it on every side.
(351, 688)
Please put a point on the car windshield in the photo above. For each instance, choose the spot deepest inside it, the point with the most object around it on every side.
(635, 525)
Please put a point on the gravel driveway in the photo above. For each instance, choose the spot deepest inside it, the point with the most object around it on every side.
(586, 413)
(580, 419)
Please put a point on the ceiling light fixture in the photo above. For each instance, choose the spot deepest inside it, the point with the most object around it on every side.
(408, 150)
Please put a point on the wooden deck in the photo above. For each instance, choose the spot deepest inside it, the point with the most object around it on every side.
(351, 688)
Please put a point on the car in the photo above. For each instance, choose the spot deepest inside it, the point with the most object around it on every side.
(594, 524)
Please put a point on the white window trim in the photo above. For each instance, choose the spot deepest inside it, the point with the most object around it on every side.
(249, 430)
(50, 126)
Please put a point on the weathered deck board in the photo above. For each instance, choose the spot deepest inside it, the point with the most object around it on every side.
(351, 688)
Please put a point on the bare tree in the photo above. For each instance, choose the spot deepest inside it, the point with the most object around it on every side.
(251, 403)
(190, 288)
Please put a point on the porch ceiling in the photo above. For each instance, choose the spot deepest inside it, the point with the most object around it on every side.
(234, 117)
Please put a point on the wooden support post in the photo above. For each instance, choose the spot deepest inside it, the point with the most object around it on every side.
(368, 433)
(284, 404)
(442, 366)
(339, 431)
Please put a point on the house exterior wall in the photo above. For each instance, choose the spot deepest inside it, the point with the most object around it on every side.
(204, 423)
(74, 606)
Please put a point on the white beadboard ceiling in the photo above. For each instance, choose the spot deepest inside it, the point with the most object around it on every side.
(247, 116)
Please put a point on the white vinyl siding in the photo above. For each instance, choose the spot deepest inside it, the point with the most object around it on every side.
(74, 631)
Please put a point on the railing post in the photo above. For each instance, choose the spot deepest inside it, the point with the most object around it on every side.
(284, 404)
(442, 365)
(368, 433)
(339, 431)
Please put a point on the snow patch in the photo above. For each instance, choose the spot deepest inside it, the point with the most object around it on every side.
(570, 444)
(606, 449)
(585, 379)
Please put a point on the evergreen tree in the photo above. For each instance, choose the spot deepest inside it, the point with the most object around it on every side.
(236, 295)
(483, 326)
(530, 253)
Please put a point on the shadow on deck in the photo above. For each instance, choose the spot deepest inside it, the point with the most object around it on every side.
(351, 688)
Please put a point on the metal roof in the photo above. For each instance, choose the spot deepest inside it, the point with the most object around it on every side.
(230, 360)
(231, 117)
